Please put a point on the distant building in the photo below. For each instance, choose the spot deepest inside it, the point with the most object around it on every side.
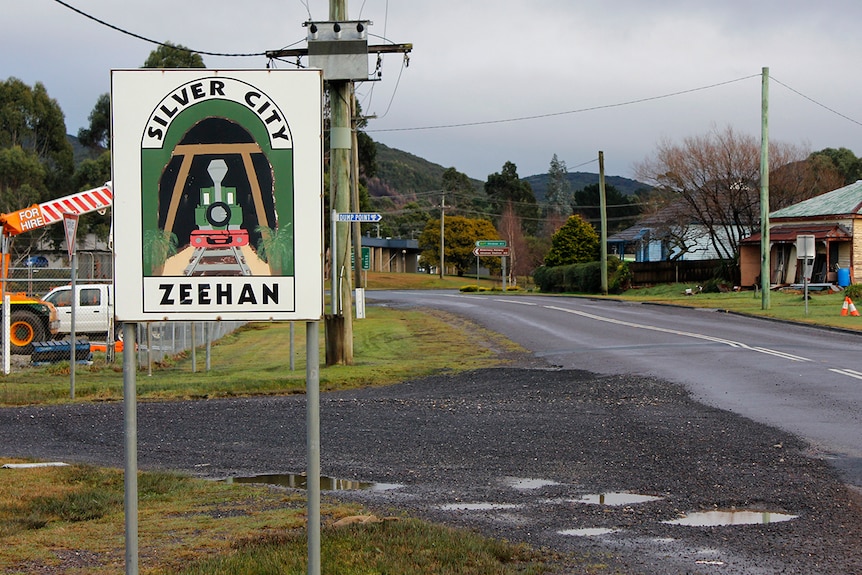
(835, 221)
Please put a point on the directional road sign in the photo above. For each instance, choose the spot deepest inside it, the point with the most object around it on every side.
(484, 252)
(359, 217)
(491, 244)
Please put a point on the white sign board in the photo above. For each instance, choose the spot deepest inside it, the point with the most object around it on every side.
(805, 248)
(217, 178)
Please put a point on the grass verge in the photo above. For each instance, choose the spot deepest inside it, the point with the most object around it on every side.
(70, 520)
(824, 309)
(389, 345)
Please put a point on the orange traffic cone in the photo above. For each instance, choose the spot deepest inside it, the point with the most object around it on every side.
(852, 307)
(846, 306)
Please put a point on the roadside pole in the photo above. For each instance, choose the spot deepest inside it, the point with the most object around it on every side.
(72, 335)
(764, 191)
(312, 419)
(7, 325)
(7, 349)
(130, 427)
(603, 204)
(70, 226)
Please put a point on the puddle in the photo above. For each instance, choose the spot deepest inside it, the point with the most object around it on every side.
(718, 518)
(528, 483)
(615, 498)
(299, 481)
(478, 506)
(588, 531)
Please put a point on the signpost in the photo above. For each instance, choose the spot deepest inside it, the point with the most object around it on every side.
(220, 173)
(491, 248)
(806, 251)
(359, 217)
(70, 226)
(490, 252)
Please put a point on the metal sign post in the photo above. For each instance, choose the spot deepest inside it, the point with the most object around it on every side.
(806, 251)
(70, 226)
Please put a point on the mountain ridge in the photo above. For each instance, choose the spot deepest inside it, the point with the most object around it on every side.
(401, 173)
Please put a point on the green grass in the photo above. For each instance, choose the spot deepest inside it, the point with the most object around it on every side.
(192, 526)
(823, 309)
(390, 345)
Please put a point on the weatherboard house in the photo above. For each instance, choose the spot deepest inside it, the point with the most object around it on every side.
(835, 221)
(661, 237)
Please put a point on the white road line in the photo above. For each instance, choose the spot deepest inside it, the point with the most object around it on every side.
(516, 301)
(723, 341)
(779, 354)
(848, 373)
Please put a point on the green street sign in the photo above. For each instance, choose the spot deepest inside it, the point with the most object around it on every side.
(491, 244)
(366, 259)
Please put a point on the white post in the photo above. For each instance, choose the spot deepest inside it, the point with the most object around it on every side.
(7, 324)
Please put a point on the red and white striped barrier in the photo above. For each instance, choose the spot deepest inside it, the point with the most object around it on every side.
(80, 203)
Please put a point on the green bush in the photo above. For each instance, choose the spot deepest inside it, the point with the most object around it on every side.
(469, 288)
(853, 291)
(582, 278)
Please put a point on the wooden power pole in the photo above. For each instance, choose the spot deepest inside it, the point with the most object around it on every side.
(340, 48)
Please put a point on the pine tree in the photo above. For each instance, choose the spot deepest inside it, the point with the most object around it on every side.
(559, 194)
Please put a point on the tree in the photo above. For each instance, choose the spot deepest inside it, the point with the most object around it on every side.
(621, 211)
(843, 160)
(170, 55)
(22, 179)
(97, 135)
(506, 187)
(795, 181)
(576, 242)
(460, 238)
(715, 178)
(33, 121)
(510, 230)
(559, 193)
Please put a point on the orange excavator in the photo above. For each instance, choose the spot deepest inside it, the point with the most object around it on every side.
(31, 319)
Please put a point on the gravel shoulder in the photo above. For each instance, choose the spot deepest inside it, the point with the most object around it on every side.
(508, 452)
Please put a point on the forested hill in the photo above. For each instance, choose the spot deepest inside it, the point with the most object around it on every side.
(580, 180)
(401, 173)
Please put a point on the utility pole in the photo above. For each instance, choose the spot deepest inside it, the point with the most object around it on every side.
(764, 191)
(340, 48)
(442, 235)
(603, 204)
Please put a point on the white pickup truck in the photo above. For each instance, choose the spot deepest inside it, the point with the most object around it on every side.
(94, 309)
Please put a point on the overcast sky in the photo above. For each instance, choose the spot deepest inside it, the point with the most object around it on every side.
(595, 73)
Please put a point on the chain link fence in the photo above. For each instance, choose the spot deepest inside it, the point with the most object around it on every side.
(32, 337)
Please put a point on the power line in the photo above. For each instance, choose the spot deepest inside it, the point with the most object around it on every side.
(150, 40)
(813, 101)
(578, 111)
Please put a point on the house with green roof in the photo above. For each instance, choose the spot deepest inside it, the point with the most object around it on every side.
(835, 221)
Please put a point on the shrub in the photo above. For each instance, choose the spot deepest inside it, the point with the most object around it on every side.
(582, 278)
(853, 291)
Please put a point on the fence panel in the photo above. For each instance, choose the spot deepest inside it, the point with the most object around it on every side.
(686, 271)
(165, 338)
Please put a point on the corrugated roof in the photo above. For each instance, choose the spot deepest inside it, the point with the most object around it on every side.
(784, 234)
(846, 200)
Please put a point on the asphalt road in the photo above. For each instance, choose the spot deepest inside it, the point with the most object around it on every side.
(804, 380)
